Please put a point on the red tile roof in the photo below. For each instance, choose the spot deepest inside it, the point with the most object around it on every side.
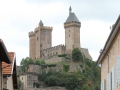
(7, 69)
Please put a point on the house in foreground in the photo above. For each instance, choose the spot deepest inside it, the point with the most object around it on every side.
(9, 73)
(110, 60)
(4, 57)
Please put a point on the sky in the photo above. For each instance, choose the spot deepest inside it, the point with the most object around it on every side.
(19, 17)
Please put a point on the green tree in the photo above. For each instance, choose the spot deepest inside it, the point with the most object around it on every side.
(19, 83)
(25, 62)
(66, 68)
(76, 55)
(85, 87)
(39, 62)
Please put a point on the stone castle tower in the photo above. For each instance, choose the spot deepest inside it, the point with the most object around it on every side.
(39, 40)
(72, 32)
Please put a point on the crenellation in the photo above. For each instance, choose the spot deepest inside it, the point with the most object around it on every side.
(46, 28)
(31, 34)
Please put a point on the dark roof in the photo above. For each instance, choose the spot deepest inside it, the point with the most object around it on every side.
(111, 37)
(41, 23)
(4, 53)
(72, 17)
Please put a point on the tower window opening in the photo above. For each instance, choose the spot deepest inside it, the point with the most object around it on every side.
(37, 38)
(69, 35)
(69, 30)
(40, 45)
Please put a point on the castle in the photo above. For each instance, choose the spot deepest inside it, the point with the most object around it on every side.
(40, 40)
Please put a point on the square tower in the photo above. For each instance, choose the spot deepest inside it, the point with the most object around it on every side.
(72, 32)
(39, 40)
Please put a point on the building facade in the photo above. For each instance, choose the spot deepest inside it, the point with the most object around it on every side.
(28, 79)
(40, 41)
(110, 60)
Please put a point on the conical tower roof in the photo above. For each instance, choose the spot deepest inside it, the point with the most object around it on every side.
(41, 23)
(71, 17)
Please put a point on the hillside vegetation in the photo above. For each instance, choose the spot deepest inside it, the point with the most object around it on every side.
(87, 77)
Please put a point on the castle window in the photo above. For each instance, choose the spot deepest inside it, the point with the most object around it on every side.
(56, 52)
(69, 35)
(40, 45)
(69, 30)
(37, 38)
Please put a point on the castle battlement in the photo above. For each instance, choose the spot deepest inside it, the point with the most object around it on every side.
(46, 28)
(59, 49)
(31, 34)
(55, 48)
(73, 23)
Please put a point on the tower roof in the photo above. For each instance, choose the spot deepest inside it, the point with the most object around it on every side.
(71, 17)
(40, 23)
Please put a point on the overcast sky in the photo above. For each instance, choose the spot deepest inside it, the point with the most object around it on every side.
(18, 17)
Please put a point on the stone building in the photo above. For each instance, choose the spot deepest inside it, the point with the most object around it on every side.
(28, 79)
(40, 40)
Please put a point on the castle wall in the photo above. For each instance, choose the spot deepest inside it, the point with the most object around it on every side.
(77, 37)
(60, 49)
(86, 53)
(37, 40)
(32, 45)
(45, 39)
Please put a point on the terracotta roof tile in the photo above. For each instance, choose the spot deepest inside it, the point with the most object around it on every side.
(7, 68)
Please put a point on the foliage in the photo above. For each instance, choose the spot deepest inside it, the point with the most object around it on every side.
(19, 83)
(66, 68)
(37, 84)
(62, 55)
(25, 62)
(51, 65)
(76, 55)
(85, 87)
(39, 62)
(88, 80)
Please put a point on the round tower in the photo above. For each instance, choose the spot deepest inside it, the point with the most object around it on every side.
(72, 32)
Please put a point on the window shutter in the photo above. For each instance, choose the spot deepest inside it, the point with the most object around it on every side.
(109, 86)
(118, 71)
(102, 85)
(113, 78)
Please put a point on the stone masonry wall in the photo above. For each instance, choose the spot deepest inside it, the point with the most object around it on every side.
(49, 52)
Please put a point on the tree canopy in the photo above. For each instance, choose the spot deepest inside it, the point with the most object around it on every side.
(76, 55)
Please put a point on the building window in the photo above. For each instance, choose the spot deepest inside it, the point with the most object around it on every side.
(69, 30)
(29, 77)
(22, 78)
(69, 35)
(40, 45)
